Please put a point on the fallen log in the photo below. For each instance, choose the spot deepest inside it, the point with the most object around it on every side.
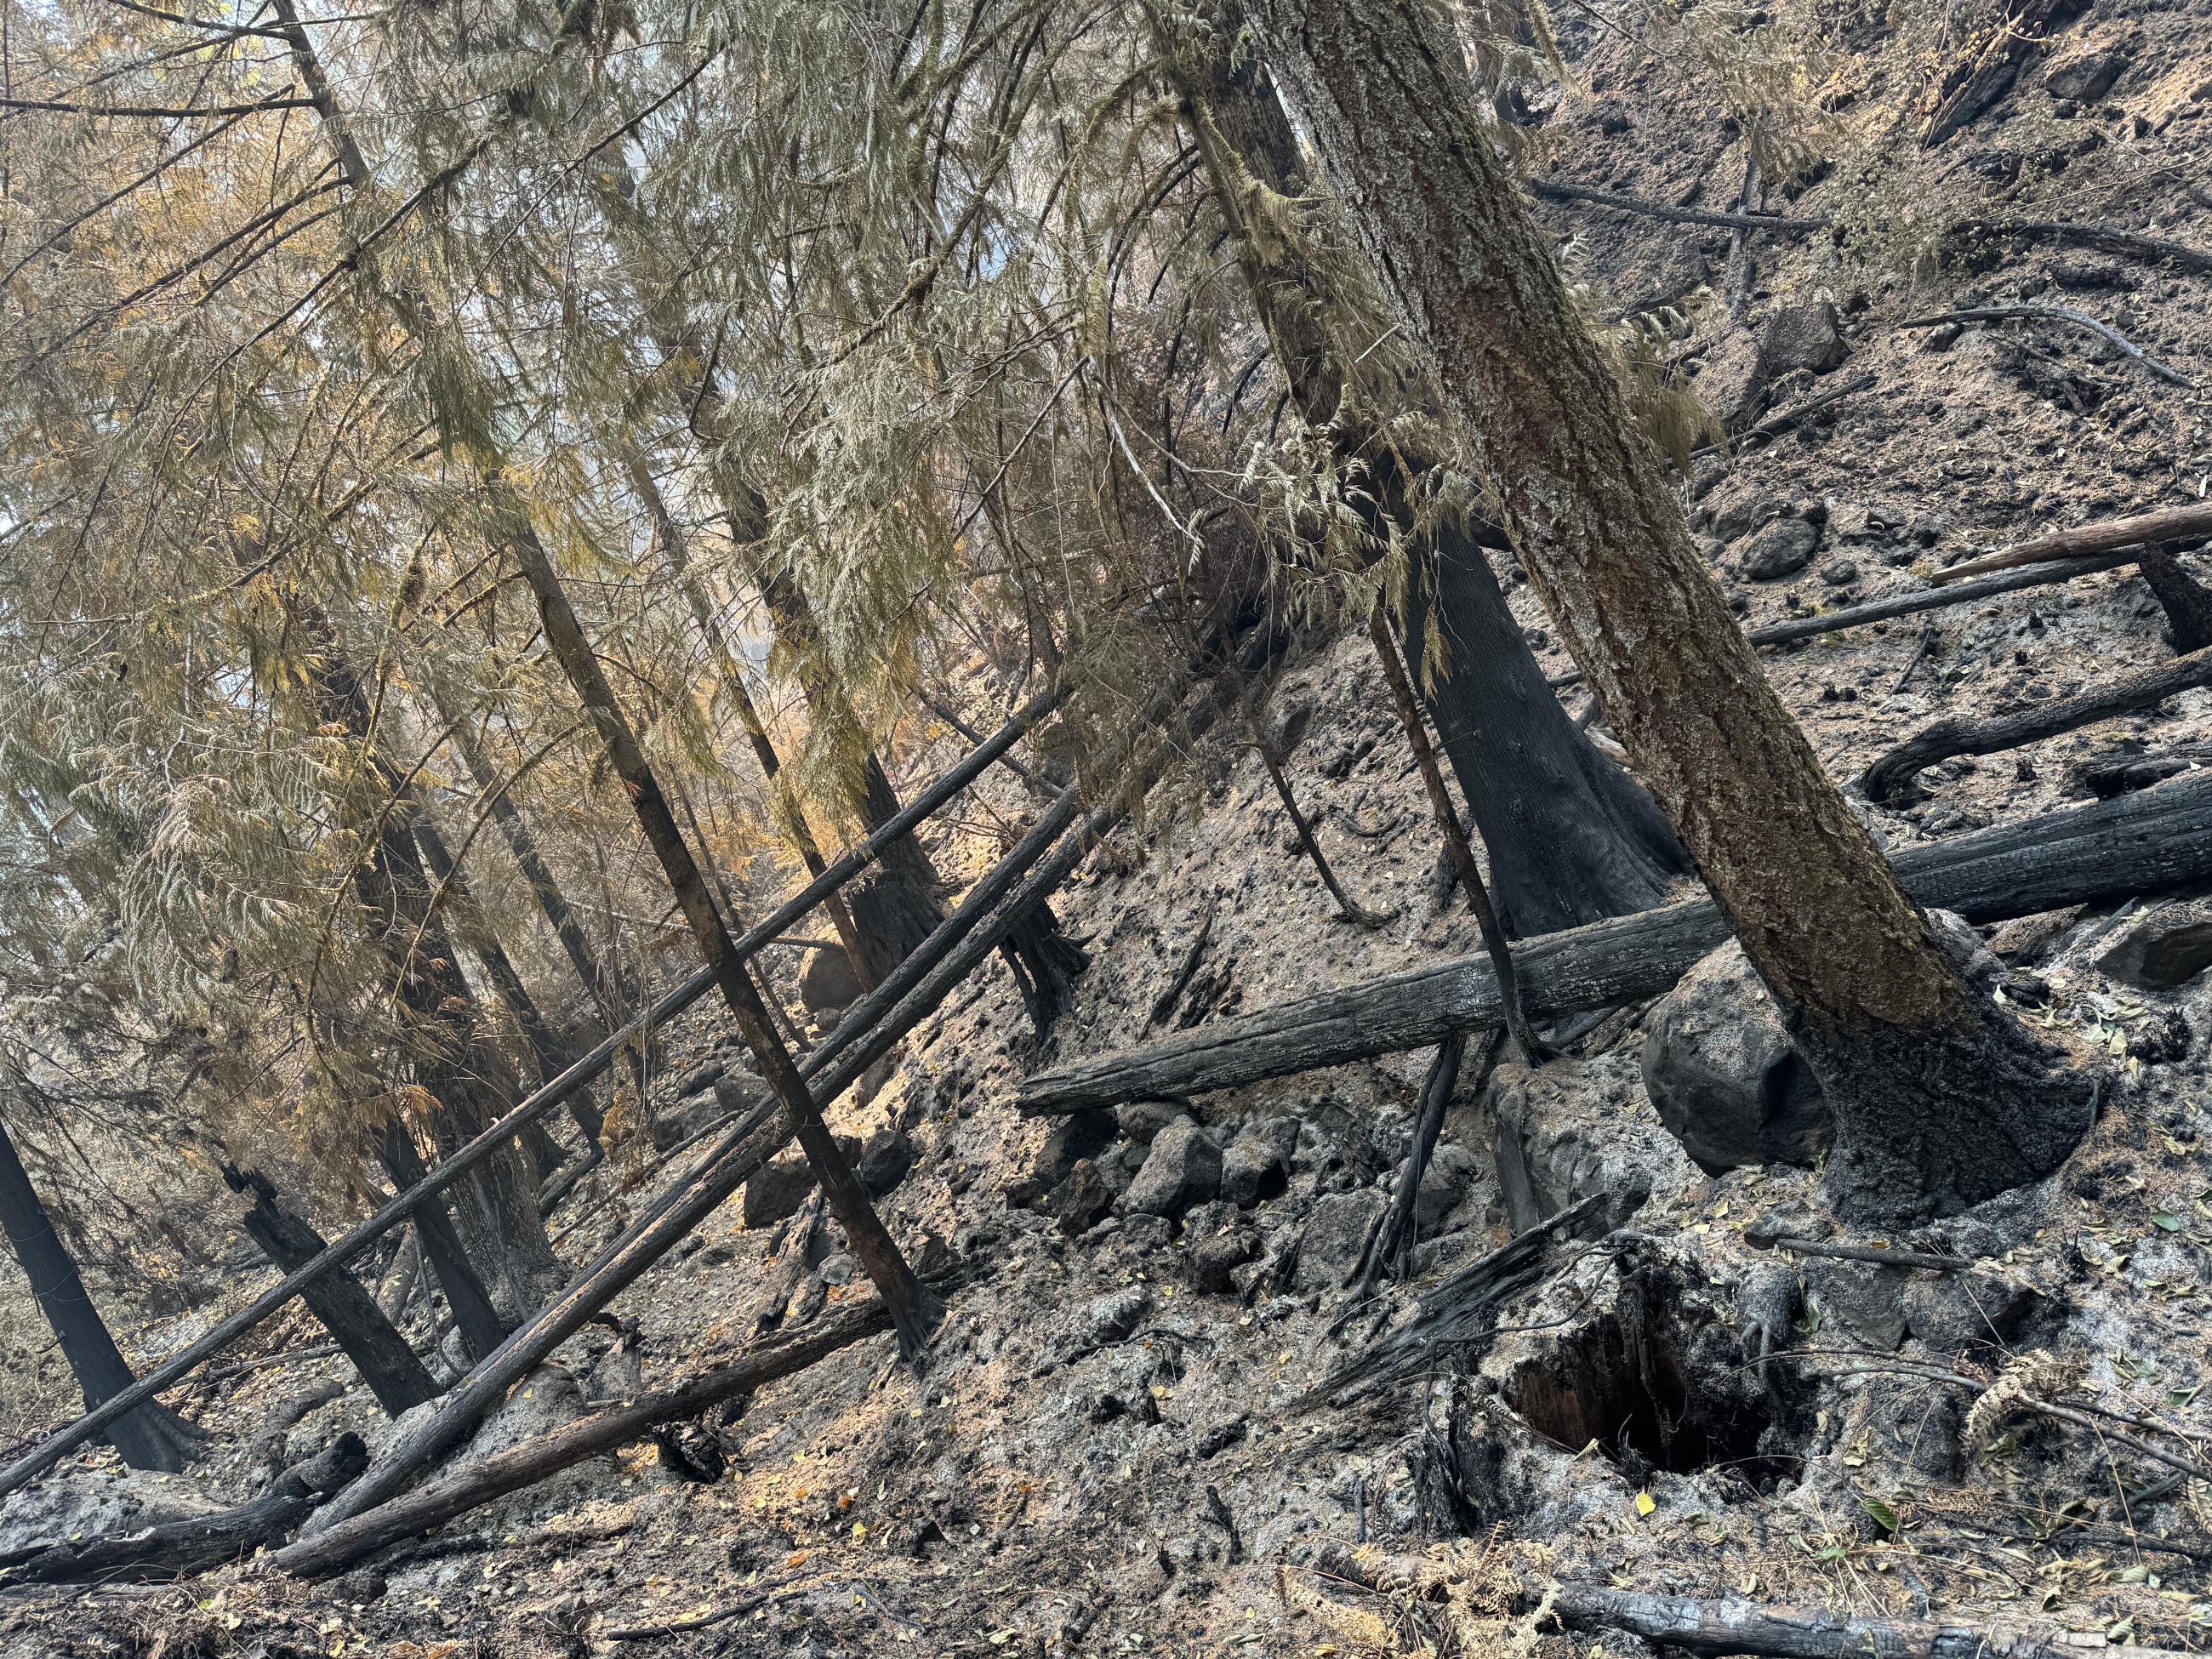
(1734, 1625)
(175, 1549)
(2159, 838)
(2170, 524)
(481, 1481)
(1891, 778)
(554, 1094)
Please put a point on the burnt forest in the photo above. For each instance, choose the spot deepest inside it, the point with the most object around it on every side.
(1074, 829)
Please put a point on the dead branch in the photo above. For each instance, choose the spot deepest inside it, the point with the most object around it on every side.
(1735, 1625)
(1882, 1258)
(2171, 524)
(1890, 778)
(2066, 314)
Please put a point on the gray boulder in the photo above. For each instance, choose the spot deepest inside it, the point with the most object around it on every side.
(2163, 949)
(884, 1161)
(1722, 1076)
(1452, 1171)
(1335, 1234)
(1257, 1165)
(1782, 549)
(1572, 1128)
(828, 982)
(1141, 1120)
(1084, 1200)
(1182, 1168)
(778, 1187)
(1802, 337)
(1072, 1140)
(2087, 77)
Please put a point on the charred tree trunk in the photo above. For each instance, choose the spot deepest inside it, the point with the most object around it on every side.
(1572, 838)
(2187, 604)
(847, 1199)
(150, 1437)
(1940, 1100)
(479, 1322)
(349, 1312)
(602, 984)
(548, 1054)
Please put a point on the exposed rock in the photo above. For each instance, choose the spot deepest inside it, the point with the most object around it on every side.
(1215, 1258)
(1746, 515)
(1183, 1169)
(1072, 1140)
(703, 1078)
(1857, 1303)
(828, 982)
(1257, 1165)
(1082, 1200)
(781, 1186)
(1732, 384)
(1722, 1076)
(1335, 1234)
(1840, 574)
(1782, 549)
(1112, 1318)
(1140, 1119)
(1952, 1313)
(86, 1505)
(2164, 949)
(1451, 1173)
(2086, 76)
(1573, 1128)
(883, 1161)
(1802, 337)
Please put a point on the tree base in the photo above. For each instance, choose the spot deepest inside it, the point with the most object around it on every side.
(1987, 1111)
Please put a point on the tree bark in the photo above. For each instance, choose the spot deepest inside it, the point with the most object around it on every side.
(1571, 838)
(1941, 1101)
(847, 1199)
(2187, 604)
(547, 1053)
(481, 1325)
(2143, 843)
(148, 1438)
(397, 1378)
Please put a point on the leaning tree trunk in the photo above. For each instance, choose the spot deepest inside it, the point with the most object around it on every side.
(149, 1437)
(1940, 1100)
(847, 1199)
(1572, 838)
